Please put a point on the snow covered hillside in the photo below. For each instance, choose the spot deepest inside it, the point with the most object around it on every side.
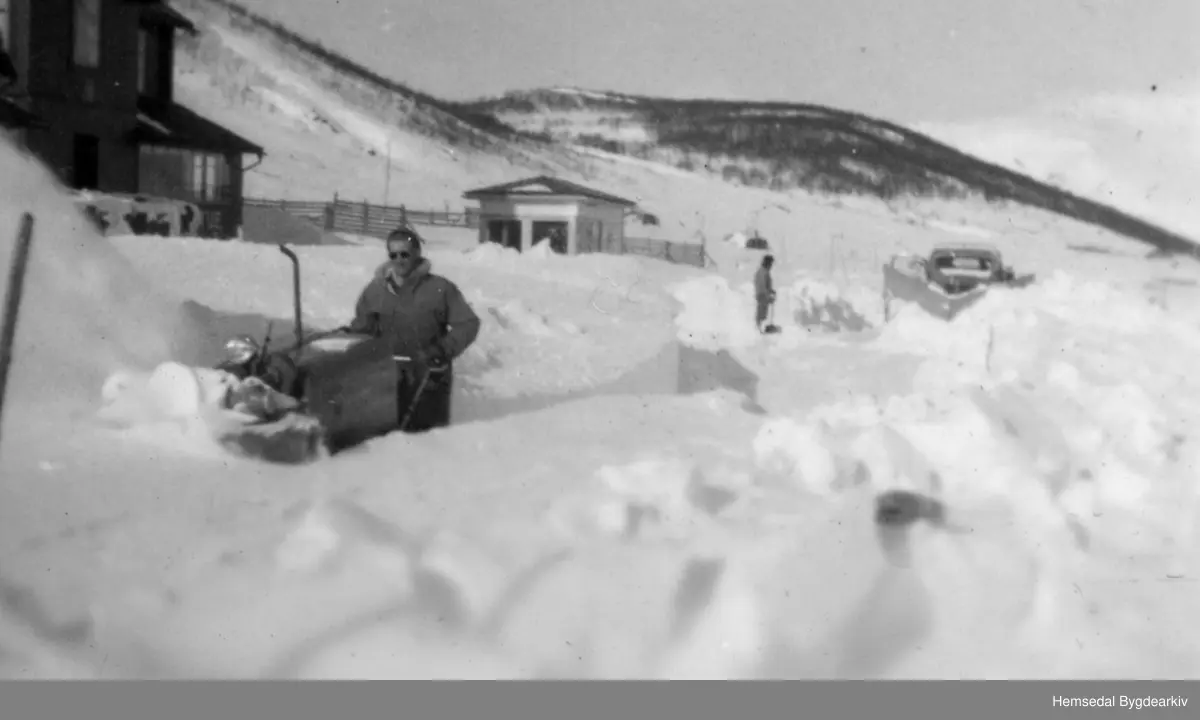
(641, 486)
(327, 129)
(822, 149)
(1140, 154)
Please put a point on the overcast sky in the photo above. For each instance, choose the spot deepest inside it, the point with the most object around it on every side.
(908, 60)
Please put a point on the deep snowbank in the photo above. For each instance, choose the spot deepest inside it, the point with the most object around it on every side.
(86, 311)
(1055, 426)
(665, 536)
(1072, 400)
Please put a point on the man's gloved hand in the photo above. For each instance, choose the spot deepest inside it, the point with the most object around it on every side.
(772, 296)
(370, 327)
(433, 357)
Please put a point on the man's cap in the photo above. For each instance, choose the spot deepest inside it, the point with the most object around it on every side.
(405, 234)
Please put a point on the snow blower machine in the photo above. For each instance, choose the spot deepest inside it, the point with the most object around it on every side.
(324, 393)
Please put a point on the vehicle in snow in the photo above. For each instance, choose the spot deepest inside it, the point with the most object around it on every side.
(947, 282)
(328, 391)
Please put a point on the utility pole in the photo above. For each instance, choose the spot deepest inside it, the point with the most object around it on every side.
(387, 174)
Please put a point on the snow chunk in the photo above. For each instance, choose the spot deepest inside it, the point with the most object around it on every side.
(799, 451)
(714, 315)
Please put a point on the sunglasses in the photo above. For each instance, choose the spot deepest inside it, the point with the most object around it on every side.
(403, 254)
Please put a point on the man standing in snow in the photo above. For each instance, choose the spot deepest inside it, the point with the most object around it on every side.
(764, 291)
(428, 323)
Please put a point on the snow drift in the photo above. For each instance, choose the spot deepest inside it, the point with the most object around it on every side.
(655, 536)
(86, 312)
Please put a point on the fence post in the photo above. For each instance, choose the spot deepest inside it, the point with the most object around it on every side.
(403, 216)
(366, 209)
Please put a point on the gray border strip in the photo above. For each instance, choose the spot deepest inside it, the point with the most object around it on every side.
(635, 700)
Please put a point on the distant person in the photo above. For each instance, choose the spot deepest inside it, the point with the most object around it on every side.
(185, 219)
(764, 291)
(428, 323)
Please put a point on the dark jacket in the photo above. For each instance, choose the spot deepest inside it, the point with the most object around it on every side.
(764, 289)
(423, 315)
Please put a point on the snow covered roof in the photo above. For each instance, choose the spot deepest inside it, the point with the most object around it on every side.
(157, 12)
(545, 185)
(177, 125)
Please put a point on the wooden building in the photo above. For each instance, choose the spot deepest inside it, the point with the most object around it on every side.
(575, 219)
(93, 97)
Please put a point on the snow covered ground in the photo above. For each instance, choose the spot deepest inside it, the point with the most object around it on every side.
(638, 484)
(645, 487)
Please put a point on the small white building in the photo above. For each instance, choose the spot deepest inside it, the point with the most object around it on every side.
(575, 219)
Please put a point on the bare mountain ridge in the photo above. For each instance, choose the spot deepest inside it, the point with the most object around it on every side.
(794, 145)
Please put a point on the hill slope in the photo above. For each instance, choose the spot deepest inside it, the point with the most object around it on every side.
(330, 126)
(1139, 153)
(785, 145)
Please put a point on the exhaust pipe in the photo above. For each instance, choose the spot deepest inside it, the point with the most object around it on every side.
(295, 291)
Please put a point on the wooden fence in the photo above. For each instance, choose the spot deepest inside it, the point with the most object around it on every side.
(365, 219)
(675, 252)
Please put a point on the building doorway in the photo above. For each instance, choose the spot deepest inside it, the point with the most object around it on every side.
(506, 233)
(85, 163)
(554, 232)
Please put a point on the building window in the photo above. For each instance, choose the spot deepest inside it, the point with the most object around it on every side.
(8, 71)
(505, 232)
(150, 62)
(212, 223)
(553, 232)
(184, 174)
(87, 33)
(5, 24)
(142, 46)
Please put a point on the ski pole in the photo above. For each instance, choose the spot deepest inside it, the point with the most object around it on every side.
(12, 301)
